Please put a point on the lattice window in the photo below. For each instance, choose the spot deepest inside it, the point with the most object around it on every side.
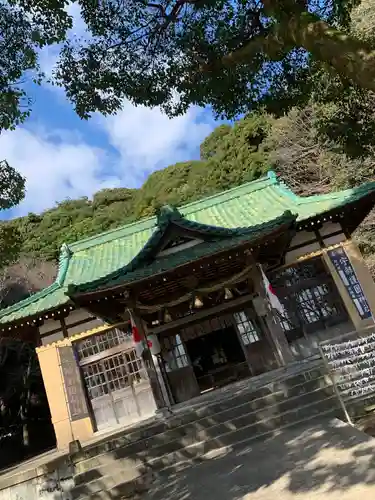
(99, 343)
(247, 328)
(117, 375)
(310, 298)
(175, 357)
(113, 374)
(95, 380)
(135, 367)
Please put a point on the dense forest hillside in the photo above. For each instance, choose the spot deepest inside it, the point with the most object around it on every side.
(293, 145)
(229, 157)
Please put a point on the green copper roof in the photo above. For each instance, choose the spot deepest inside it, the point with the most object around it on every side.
(232, 213)
(145, 264)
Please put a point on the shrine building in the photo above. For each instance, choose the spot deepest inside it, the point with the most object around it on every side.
(194, 282)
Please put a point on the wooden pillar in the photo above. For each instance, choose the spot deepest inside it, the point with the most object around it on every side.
(276, 332)
(156, 388)
(162, 382)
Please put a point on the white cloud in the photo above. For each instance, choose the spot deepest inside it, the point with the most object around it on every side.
(53, 171)
(60, 163)
(147, 139)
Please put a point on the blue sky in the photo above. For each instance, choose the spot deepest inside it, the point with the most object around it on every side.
(63, 157)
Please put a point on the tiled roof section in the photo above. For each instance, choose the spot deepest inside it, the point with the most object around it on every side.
(251, 204)
(84, 259)
(264, 199)
(229, 238)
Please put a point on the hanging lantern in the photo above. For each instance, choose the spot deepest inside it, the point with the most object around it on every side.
(198, 303)
(167, 317)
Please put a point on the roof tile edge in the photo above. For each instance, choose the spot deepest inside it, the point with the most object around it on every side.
(64, 259)
(149, 222)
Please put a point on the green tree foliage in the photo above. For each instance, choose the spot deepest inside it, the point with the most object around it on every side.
(363, 20)
(232, 159)
(12, 190)
(293, 145)
(25, 27)
(311, 163)
(232, 55)
(106, 197)
(344, 111)
(212, 144)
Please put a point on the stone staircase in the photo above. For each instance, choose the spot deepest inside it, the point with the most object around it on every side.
(125, 465)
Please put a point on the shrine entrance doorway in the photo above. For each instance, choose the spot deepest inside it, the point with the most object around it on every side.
(217, 358)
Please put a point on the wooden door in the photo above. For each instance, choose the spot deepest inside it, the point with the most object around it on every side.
(117, 384)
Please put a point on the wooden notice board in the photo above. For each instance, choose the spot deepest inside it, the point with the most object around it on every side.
(351, 364)
(73, 384)
(347, 274)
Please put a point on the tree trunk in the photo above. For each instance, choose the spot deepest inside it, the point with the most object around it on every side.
(350, 57)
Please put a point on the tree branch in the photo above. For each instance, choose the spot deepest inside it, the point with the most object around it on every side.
(158, 7)
(351, 58)
(269, 44)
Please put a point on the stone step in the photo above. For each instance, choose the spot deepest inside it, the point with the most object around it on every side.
(177, 466)
(196, 422)
(197, 434)
(245, 432)
(173, 428)
(128, 481)
(119, 486)
(293, 375)
(288, 387)
(233, 419)
(264, 396)
(121, 491)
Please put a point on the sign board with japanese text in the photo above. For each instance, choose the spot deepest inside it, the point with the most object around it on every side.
(347, 274)
(73, 384)
(352, 365)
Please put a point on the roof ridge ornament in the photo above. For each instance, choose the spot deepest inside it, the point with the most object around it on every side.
(167, 213)
(65, 250)
(272, 175)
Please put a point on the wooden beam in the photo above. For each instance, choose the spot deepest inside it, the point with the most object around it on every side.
(64, 328)
(198, 316)
(84, 297)
(276, 332)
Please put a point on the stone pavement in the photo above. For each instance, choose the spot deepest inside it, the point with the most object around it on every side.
(326, 460)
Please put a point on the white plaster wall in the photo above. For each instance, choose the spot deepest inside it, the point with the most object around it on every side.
(55, 337)
(329, 228)
(49, 325)
(333, 240)
(301, 237)
(74, 330)
(292, 255)
(77, 315)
